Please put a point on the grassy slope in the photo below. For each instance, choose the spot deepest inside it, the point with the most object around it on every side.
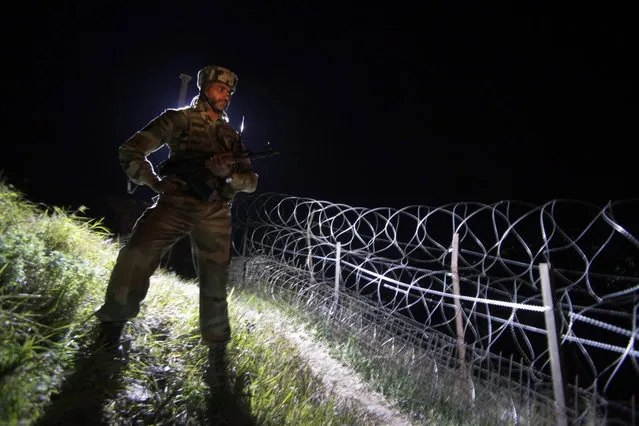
(54, 265)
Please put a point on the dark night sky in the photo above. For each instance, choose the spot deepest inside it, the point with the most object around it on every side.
(369, 106)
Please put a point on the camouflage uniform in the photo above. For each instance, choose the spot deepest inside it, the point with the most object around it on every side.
(186, 131)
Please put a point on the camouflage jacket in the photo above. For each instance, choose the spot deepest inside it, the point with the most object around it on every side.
(186, 131)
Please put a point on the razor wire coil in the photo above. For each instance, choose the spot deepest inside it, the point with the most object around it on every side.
(400, 259)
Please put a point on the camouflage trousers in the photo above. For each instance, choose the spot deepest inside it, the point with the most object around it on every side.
(172, 217)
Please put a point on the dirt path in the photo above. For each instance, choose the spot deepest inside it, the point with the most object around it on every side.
(342, 380)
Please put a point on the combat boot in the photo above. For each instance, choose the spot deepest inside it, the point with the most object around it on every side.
(216, 373)
(109, 336)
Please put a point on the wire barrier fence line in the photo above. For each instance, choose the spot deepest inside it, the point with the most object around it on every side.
(554, 286)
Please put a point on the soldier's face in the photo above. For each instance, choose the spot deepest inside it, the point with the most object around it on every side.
(220, 96)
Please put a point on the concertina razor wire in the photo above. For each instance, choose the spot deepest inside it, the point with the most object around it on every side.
(400, 259)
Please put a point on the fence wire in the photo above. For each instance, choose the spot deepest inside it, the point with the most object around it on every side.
(388, 272)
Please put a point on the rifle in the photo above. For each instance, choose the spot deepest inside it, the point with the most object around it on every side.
(176, 165)
(191, 166)
(188, 165)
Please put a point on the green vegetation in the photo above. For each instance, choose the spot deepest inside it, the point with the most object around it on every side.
(54, 265)
(407, 387)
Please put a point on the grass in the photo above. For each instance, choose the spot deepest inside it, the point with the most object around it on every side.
(402, 385)
(54, 265)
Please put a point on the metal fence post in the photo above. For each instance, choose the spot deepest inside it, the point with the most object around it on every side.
(461, 344)
(553, 344)
(338, 271)
(309, 257)
(244, 241)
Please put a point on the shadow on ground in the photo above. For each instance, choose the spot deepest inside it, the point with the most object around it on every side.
(96, 377)
(227, 402)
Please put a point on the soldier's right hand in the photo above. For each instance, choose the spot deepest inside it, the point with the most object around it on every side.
(168, 184)
(221, 164)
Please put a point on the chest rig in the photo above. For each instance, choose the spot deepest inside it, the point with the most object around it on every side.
(203, 137)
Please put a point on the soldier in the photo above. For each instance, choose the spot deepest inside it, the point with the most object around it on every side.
(198, 206)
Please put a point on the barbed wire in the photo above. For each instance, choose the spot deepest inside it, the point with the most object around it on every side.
(401, 260)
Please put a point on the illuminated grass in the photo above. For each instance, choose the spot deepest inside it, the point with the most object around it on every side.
(46, 291)
(409, 393)
(54, 266)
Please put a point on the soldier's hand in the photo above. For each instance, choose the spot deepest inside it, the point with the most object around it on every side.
(221, 164)
(168, 185)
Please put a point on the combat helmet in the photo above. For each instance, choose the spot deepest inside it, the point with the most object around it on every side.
(212, 73)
